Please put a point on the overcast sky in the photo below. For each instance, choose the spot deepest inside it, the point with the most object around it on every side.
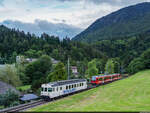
(74, 14)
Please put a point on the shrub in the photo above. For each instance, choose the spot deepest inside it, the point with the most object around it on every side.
(8, 99)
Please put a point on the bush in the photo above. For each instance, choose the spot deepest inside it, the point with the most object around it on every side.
(10, 98)
(15, 103)
(140, 63)
(135, 65)
(9, 75)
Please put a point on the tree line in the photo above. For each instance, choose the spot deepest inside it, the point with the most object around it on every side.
(104, 56)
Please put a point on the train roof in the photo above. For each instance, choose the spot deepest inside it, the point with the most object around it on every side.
(64, 82)
(105, 75)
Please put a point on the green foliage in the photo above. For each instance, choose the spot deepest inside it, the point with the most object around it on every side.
(136, 65)
(82, 67)
(146, 58)
(10, 98)
(2, 107)
(55, 54)
(14, 42)
(117, 65)
(24, 88)
(38, 71)
(92, 70)
(140, 63)
(100, 64)
(21, 72)
(33, 53)
(59, 73)
(109, 67)
(9, 75)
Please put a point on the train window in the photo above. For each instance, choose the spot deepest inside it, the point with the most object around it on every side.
(100, 79)
(105, 78)
(60, 88)
(45, 89)
(80, 84)
(69, 86)
(72, 85)
(53, 89)
(93, 78)
(57, 88)
(49, 89)
(66, 87)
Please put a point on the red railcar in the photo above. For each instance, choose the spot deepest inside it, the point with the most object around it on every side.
(100, 79)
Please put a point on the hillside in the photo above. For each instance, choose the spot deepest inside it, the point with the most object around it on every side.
(124, 22)
(130, 94)
(14, 42)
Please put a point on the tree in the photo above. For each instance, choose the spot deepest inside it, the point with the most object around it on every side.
(9, 98)
(109, 67)
(117, 65)
(146, 58)
(82, 67)
(55, 54)
(21, 73)
(9, 75)
(140, 63)
(136, 65)
(100, 64)
(92, 70)
(38, 71)
(59, 73)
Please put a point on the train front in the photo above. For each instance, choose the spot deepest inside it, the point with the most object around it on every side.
(45, 90)
(94, 80)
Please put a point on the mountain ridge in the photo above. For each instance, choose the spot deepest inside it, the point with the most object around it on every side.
(127, 21)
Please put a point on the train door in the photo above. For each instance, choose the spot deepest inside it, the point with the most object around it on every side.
(57, 91)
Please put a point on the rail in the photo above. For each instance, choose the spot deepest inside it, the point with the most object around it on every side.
(26, 106)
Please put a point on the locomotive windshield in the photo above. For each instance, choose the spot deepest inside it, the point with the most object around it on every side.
(93, 78)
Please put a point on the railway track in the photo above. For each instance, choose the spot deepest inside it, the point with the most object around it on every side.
(26, 106)
(23, 106)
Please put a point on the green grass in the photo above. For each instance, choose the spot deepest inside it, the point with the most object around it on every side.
(130, 94)
(24, 88)
(1, 107)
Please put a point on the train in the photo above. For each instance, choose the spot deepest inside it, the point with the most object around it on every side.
(65, 87)
(101, 79)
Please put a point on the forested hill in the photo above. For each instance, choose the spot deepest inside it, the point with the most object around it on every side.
(124, 22)
(14, 42)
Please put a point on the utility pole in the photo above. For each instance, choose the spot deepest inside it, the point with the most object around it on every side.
(68, 68)
(118, 67)
(107, 68)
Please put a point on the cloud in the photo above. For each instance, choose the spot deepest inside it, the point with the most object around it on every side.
(40, 26)
(117, 2)
(74, 14)
(1, 2)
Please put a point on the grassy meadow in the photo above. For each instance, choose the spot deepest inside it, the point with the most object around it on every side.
(130, 94)
(24, 88)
